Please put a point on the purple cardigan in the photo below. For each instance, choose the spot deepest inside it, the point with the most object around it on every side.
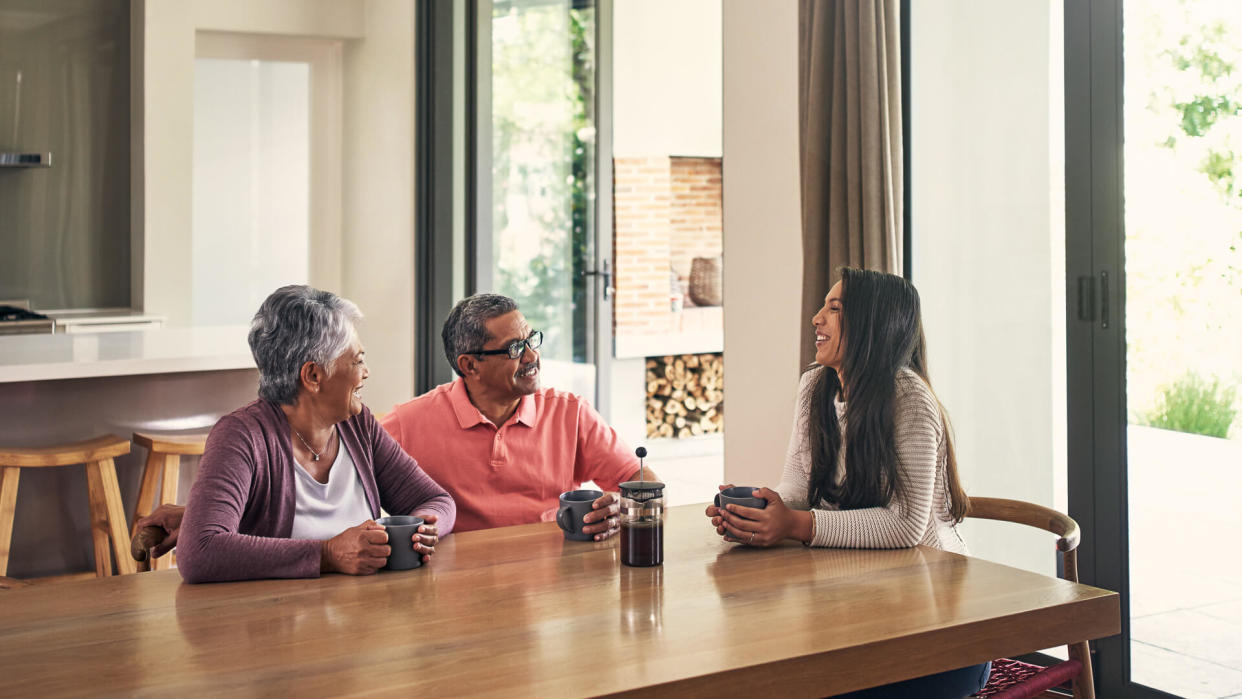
(240, 511)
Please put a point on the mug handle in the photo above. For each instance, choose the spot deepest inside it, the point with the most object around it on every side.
(563, 520)
(716, 499)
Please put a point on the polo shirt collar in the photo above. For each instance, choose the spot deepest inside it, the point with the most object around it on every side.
(468, 416)
(526, 411)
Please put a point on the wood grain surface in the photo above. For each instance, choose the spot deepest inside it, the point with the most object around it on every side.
(519, 611)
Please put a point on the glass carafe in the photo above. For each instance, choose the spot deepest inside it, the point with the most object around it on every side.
(642, 523)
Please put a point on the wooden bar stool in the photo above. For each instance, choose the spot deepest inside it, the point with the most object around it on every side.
(163, 468)
(107, 513)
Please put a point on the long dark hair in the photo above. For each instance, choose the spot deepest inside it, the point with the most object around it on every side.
(882, 333)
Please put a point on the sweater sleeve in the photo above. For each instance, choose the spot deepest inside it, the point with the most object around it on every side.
(403, 486)
(903, 522)
(209, 547)
(795, 476)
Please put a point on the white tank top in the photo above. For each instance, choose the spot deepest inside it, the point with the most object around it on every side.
(323, 510)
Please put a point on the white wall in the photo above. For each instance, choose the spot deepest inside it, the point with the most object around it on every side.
(377, 259)
(340, 19)
(667, 77)
(378, 224)
(163, 143)
(762, 236)
(988, 241)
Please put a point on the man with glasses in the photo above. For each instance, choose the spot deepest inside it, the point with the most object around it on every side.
(502, 446)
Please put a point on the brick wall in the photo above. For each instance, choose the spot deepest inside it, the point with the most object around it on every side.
(696, 211)
(667, 212)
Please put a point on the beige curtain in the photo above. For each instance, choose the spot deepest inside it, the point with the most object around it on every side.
(849, 72)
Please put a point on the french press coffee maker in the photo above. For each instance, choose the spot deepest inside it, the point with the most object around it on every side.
(642, 520)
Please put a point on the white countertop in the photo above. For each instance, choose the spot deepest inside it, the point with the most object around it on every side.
(157, 351)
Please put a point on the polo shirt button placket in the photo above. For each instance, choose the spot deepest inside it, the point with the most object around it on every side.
(497, 447)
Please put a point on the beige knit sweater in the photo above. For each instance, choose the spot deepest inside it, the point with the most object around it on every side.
(921, 516)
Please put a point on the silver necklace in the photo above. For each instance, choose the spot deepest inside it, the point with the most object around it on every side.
(314, 454)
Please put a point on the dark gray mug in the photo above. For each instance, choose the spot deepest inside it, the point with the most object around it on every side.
(740, 495)
(401, 530)
(575, 504)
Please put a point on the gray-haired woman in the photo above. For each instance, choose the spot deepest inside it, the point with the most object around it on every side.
(289, 485)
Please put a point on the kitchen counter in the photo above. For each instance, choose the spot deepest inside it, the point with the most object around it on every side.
(156, 351)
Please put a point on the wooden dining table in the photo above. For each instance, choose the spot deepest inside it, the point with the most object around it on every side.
(519, 611)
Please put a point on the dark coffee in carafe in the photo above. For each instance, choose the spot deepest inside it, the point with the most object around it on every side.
(642, 523)
(642, 543)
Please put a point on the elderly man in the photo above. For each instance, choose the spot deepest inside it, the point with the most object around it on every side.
(504, 447)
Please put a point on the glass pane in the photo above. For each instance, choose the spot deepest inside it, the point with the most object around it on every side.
(543, 163)
(251, 184)
(1183, 217)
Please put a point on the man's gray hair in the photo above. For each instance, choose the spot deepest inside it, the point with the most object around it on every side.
(295, 325)
(464, 331)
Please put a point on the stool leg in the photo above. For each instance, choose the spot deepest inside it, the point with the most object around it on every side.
(116, 518)
(99, 520)
(146, 493)
(168, 493)
(8, 507)
(108, 518)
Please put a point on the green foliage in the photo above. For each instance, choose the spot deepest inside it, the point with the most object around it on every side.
(1201, 113)
(1195, 405)
(1205, 54)
(543, 82)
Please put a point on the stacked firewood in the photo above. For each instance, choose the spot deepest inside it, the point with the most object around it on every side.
(685, 395)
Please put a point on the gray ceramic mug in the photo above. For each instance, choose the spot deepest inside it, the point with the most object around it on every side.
(575, 504)
(740, 495)
(401, 530)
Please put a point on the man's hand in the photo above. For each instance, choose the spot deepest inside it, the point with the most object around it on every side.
(359, 550)
(602, 520)
(168, 518)
(713, 512)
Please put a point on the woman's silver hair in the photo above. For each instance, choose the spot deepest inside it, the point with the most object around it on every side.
(295, 325)
(464, 331)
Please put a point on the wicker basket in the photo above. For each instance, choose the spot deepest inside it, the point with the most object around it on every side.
(706, 288)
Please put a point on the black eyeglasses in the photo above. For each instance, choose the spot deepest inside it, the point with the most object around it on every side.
(517, 347)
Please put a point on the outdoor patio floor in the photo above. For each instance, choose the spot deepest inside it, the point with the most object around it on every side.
(1185, 569)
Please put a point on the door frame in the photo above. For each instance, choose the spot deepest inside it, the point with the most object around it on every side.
(1095, 318)
(454, 244)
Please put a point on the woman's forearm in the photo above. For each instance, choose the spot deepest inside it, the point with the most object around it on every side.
(803, 526)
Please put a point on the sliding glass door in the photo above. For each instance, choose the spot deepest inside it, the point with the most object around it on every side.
(543, 236)
(1154, 214)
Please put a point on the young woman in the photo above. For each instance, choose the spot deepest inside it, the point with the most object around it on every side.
(870, 461)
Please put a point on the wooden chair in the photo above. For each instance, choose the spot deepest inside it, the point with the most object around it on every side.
(163, 469)
(107, 514)
(1011, 679)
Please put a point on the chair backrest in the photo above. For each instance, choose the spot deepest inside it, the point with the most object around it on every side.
(1038, 516)
(1069, 535)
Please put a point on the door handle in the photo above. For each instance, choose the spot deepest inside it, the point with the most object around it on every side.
(1087, 296)
(605, 273)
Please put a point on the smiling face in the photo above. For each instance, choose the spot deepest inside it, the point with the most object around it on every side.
(829, 330)
(341, 392)
(499, 375)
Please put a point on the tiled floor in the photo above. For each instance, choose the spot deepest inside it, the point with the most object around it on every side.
(1185, 577)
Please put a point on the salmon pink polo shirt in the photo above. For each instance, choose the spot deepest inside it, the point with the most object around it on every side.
(513, 474)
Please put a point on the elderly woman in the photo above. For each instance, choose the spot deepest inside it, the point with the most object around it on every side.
(289, 485)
